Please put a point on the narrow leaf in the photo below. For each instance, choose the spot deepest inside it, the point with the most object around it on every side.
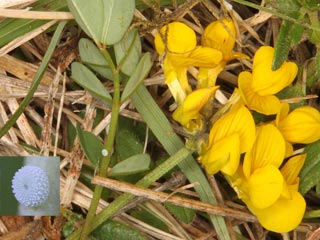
(282, 45)
(105, 21)
(137, 77)
(86, 79)
(111, 230)
(183, 214)
(128, 52)
(310, 174)
(91, 145)
(132, 165)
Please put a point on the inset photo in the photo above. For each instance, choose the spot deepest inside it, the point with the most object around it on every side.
(29, 186)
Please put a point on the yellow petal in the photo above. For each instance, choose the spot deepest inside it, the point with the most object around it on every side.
(238, 120)
(176, 79)
(178, 36)
(199, 57)
(291, 169)
(268, 149)
(283, 112)
(265, 186)
(282, 216)
(267, 82)
(188, 113)
(302, 125)
(207, 76)
(223, 156)
(263, 104)
(220, 35)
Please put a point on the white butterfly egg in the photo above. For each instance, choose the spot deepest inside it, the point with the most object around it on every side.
(30, 186)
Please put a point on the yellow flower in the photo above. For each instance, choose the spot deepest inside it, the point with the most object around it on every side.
(287, 212)
(262, 182)
(302, 125)
(178, 44)
(188, 113)
(258, 89)
(231, 135)
(271, 194)
(218, 35)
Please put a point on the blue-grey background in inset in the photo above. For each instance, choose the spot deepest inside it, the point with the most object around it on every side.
(8, 203)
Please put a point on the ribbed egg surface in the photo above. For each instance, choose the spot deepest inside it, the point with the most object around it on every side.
(30, 186)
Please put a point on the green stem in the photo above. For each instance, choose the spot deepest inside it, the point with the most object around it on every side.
(36, 80)
(146, 181)
(108, 146)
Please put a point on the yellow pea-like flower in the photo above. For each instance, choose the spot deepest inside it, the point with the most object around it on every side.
(258, 88)
(218, 35)
(177, 43)
(188, 113)
(302, 125)
(231, 135)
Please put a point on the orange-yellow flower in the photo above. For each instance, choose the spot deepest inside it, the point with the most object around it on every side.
(178, 44)
(188, 113)
(231, 135)
(258, 88)
(302, 125)
(286, 213)
(271, 194)
(218, 35)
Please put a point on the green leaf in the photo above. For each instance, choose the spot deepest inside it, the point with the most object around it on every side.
(132, 165)
(310, 174)
(283, 45)
(105, 21)
(111, 230)
(146, 215)
(86, 79)
(91, 145)
(128, 52)
(183, 214)
(137, 77)
(93, 58)
(127, 144)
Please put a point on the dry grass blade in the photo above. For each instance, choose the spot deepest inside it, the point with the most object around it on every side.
(26, 14)
(176, 200)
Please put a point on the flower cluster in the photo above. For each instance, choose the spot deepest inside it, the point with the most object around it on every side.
(257, 160)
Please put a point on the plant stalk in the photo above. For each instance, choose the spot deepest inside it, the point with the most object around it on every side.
(108, 146)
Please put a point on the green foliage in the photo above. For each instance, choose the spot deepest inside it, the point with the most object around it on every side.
(92, 57)
(183, 214)
(139, 74)
(127, 144)
(146, 215)
(86, 79)
(111, 230)
(106, 21)
(128, 52)
(91, 145)
(290, 33)
(132, 165)
(310, 174)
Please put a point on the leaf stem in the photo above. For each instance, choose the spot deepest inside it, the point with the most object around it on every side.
(108, 145)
